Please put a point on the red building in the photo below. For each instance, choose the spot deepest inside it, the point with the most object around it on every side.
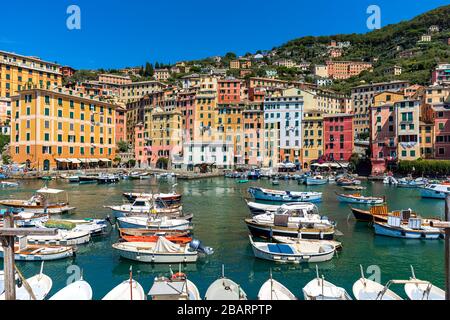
(441, 120)
(229, 90)
(339, 135)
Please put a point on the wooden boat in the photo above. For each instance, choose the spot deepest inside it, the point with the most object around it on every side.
(177, 287)
(273, 290)
(44, 199)
(127, 290)
(142, 206)
(153, 232)
(422, 290)
(174, 239)
(78, 290)
(414, 229)
(225, 289)
(378, 213)
(316, 180)
(299, 252)
(40, 284)
(435, 191)
(359, 199)
(289, 240)
(163, 223)
(320, 289)
(284, 196)
(365, 289)
(31, 252)
(62, 238)
(162, 251)
(293, 207)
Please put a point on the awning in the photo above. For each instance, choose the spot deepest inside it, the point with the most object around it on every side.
(93, 160)
(84, 160)
(105, 160)
(62, 160)
(74, 161)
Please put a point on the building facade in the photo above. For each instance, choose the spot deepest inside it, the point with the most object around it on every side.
(339, 138)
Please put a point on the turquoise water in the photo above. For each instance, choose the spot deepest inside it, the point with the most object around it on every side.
(219, 209)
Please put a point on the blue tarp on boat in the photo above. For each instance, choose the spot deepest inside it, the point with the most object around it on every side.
(280, 248)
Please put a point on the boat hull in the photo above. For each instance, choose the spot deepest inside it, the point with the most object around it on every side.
(345, 199)
(292, 258)
(158, 258)
(426, 193)
(264, 231)
(404, 234)
(315, 182)
(306, 197)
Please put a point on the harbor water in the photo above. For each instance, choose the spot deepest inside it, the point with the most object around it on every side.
(219, 211)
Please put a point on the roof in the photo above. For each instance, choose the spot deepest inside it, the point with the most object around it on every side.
(334, 115)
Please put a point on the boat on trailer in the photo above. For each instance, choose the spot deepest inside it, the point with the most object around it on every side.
(284, 196)
(320, 289)
(357, 198)
(301, 251)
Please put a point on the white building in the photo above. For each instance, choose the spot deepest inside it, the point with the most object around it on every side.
(220, 154)
(283, 115)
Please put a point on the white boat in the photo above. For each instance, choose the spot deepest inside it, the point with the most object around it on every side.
(225, 289)
(273, 290)
(29, 219)
(162, 251)
(365, 289)
(290, 240)
(8, 184)
(178, 287)
(31, 252)
(78, 290)
(359, 199)
(40, 284)
(414, 229)
(436, 191)
(259, 208)
(163, 223)
(302, 251)
(284, 196)
(320, 289)
(127, 290)
(62, 238)
(93, 226)
(73, 179)
(390, 180)
(422, 290)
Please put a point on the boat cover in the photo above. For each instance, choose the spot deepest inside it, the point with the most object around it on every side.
(164, 245)
(162, 288)
(280, 248)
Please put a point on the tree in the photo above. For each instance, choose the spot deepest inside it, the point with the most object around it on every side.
(4, 140)
(122, 146)
(157, 65)
(149, 71)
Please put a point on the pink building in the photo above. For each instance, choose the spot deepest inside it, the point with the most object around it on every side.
(121, 124)
(441, 119)
(186, 104)
(140, 152)
(338, 136)
(229, 91)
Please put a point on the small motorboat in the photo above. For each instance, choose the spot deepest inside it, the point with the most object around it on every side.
(107, 179)
(301, 251)
(273, 290)
(40, 284)
(316, 180)
(168, 199)
(87, 179)
(143, 206)
(127, 290)
(395, 227)
(284, 196)
(62, 238)
(154, 238)
(289, 240)
(320, 289)
(162, 251)
(417, 289)
(435, 191)
(153, 232)
(359, 199)
(354, 188)
(177, 287)
(297, 207)
(163, 223)
(78, 290)
(365, 289)
(225, 289)
(347, 182)
(411, 183)
(95, 227)
(73, 179)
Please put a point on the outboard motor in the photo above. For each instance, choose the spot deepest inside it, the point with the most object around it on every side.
(197, 245)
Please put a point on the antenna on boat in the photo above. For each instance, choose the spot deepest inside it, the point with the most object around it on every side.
(42, 269)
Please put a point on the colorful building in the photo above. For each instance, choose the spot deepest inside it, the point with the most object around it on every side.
(5, 115)
(114, 79)
(408, 129)
(338, 136)
(346, 69)
(229, 90)
(253, 115)
(61, 129)
(313, 137)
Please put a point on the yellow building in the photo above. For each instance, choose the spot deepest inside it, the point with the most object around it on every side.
(16, 71)
(230, 128)
(426, 140)
(61, 128)
(312, 137)
(205, 116)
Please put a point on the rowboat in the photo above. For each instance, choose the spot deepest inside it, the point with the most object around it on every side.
(177, 287)
(154, 238)
(142, 206)
(273, 290)
(299, 252)
(316, 180)
(365, 289)
(359, 199)
(414, 229)
(162, 251)
(225, 289)
(153, 232)
(436, 191)
(78, 290)
(163, 223)
(411, 183)
(284, 196)
(129, 289)
(167, 199)
(260, 208)
(379, 213)
(62, 238)
(32, 252)
(44, 200)
(289, 240)
(40, 285)
(422, 290)
(320, 289)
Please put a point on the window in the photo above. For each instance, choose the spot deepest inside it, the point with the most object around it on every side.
(412, 153)
(404, 153)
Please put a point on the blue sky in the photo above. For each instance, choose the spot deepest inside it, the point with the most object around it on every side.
(117, 33)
